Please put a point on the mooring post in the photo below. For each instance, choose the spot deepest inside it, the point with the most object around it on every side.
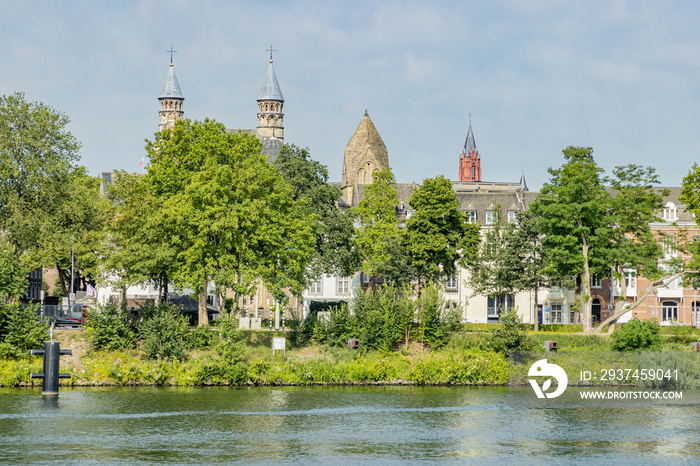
(52, 350)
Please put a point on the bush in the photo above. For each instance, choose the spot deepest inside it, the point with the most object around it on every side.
(637, 335)
(435, 321)
(110, 328)
(22, 329)
(164, 331)
(511, 335)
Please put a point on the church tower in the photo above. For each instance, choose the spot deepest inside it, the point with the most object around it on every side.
(365, 154)
(270, 103)
(170, 100)
(470, 160)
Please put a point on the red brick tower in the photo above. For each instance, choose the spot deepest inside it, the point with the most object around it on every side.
(470, 161)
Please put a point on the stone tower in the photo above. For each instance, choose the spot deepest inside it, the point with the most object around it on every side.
(365, 154)
(170, 101)
(270, 103)
(470, 160)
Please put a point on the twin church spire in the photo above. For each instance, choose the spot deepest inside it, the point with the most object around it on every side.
(270, 127)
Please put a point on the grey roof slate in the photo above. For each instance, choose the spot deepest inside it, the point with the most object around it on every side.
(271, 147)
(270, 89)
(469, 144)
(172, 87)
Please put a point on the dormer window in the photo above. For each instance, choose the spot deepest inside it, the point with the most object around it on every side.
(670, 212)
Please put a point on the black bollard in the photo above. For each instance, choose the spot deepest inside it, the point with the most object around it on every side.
(52, 350)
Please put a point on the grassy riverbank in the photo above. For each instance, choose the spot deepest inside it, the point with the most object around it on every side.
(468, 358)
(300, 366)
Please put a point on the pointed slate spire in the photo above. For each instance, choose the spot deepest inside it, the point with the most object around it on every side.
(469, 144)
(270, 89)
(172, 87)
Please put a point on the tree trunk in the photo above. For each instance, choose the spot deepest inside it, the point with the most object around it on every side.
(620, 305)
(202, 308)
(537, 319)
(586, 295)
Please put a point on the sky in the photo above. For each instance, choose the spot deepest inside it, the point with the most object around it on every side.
(537, 75)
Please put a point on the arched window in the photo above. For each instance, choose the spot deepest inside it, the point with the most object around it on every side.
(361, 176)
(669, 311)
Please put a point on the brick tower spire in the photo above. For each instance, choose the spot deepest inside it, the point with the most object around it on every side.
(470, 160)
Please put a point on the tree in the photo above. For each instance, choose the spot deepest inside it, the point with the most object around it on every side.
(379, 235)
(587, 229)
(13, 278)
(142, 247)
(229, 214)
(335, 251)
(572, 208)
(48, 205)
(438, 236)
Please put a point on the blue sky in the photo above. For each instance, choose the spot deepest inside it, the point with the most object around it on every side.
(537, 75)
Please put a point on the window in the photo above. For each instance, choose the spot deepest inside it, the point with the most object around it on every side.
(630, 279)
(343, 285)
(315, 287)
(670, 212)
(491, 217)
(471, 216)
(366, 278)
(555, 313)
(499, 303)
(670, 247)
(669, 311)
(512, 216)
(451, 284)
(596, 282)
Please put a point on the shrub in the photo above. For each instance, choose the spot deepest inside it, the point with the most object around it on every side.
(637, 335)
(510, 335)
(23, 329)
(164, 331)
(110, 328)
(436, 321)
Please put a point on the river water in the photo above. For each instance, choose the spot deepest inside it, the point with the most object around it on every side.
(338, 425)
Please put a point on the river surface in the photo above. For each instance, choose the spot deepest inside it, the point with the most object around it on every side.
(338, 425)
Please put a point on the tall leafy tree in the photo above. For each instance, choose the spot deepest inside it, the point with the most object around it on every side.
(335, 251)
(572, 207)
(379, 233)
(142, 250)
(230, 215)
(588, 229)
(49, 206)
(438, 237)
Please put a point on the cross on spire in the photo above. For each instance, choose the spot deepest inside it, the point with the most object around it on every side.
(171, 51)
(270, 50)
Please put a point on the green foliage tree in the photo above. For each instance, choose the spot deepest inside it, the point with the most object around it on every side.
(13, 278)
(229, 214)
(48, 205)
(586, 229)
(637, 335)
(438, 236)
(379, 235)
(142, 249)
(335, 251)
